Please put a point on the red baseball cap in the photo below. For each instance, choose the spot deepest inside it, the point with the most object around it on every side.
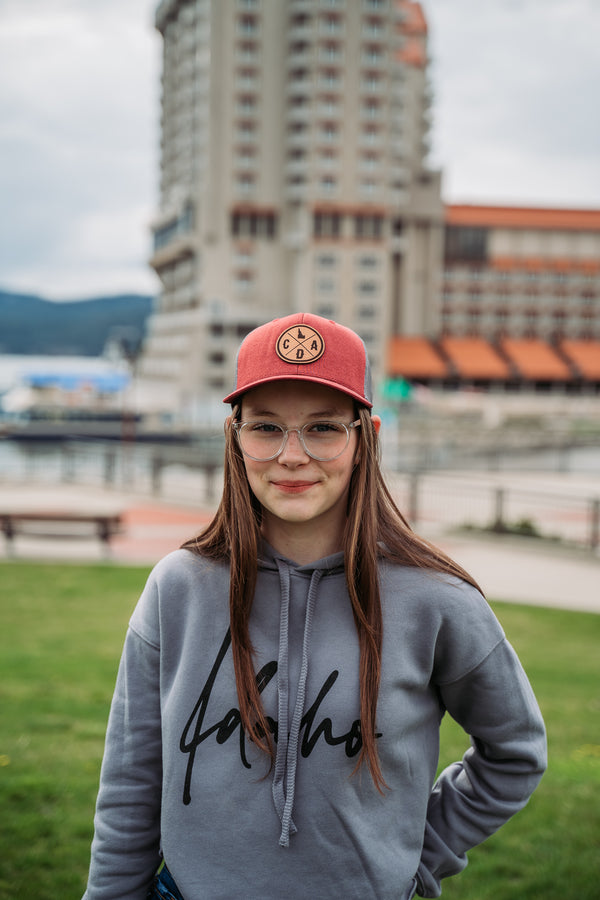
(304, 347)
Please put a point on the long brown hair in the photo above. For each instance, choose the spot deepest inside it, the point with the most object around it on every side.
(375, 528)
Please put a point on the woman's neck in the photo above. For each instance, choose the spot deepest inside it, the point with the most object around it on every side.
(303, 545)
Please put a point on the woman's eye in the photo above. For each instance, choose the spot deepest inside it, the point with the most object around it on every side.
(325, 428)
(265, 428)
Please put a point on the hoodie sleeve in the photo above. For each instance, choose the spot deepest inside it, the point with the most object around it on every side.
(125, 849)
(472, 798)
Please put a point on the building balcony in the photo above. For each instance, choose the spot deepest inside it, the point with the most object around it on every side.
(247, 85)
(328, 164)
(373, 140)
(374, 88)
(299, 88)
(296, 191)
(299, 58)
(299, 113)
(298, 139)
(243, 164)
(300, 31)
(296, 167)
(180, 247)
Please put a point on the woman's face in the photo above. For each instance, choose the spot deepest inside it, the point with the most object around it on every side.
(299, 494)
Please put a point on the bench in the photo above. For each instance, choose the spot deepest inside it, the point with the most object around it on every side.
(14, 522)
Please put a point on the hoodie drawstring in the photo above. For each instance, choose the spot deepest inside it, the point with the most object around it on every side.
(286, 758)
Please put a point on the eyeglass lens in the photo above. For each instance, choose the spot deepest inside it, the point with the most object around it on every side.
(265, 440)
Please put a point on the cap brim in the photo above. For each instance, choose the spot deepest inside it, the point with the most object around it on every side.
(235, 395)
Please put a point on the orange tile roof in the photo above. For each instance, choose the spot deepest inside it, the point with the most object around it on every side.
(585, 355)
(414, 357)
(473, 357)
(535, 359)
(524, 217)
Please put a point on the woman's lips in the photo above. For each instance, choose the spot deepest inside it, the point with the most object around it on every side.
(293, 487)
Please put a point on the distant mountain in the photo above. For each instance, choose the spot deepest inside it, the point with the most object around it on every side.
(33, 325)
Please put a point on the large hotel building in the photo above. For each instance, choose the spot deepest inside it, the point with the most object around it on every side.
(294, 176)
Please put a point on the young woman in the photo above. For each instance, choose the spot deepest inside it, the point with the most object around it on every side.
(275, 725)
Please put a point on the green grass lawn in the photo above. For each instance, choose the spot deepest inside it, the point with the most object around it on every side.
(61, 631)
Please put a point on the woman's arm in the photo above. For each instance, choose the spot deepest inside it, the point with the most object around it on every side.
(125, 849)
(472, 798)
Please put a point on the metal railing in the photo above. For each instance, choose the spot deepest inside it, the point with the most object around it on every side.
(567, 510)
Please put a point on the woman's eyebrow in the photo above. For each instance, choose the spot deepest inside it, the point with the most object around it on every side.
(330, 412)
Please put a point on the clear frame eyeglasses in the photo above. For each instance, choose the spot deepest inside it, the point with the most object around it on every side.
(323, 441)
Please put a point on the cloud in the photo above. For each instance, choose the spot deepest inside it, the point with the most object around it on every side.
(514, 112)
(514, 120)
(78, 134)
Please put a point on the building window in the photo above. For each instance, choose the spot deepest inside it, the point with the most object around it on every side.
(367, 287)
(328, 133)
(331, 25)
(465, 244)
(371, 110)
(254, 224)
(372, 55)
(248, 51)
(328, 185)
(327, 225)
(330, 53)
(327, 310)
(368, 188)
(366, 226)
(177, 226)
(325, 286)
(367, 312)
(248, 25)
(369, 163)
(245, 184)
(243, 282)
(329, 78)
(327, 260)
(368, 262)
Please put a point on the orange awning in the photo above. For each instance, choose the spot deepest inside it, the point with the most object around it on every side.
(414, 357)
(473, 357)
(535, 359)
(585, 355)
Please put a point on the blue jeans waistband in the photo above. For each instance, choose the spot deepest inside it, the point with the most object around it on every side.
(164, 886)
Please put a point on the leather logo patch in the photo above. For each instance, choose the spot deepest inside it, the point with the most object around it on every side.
(299, 345)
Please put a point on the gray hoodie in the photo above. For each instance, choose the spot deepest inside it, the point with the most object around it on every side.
(180, 777)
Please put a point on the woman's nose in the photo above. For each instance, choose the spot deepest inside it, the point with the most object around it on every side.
(293, 451)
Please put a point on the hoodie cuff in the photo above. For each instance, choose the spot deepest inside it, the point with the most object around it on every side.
(437, 861)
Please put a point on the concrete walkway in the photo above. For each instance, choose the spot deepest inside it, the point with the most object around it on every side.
(520, 570)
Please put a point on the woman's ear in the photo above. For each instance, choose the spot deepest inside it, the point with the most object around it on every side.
(227, 424)
(376, 420)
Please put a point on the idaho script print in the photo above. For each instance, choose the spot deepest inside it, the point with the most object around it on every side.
(197, 730)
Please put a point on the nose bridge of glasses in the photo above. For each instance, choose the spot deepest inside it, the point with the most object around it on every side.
(299, 438)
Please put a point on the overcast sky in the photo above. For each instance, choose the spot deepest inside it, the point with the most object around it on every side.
(515, 120)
